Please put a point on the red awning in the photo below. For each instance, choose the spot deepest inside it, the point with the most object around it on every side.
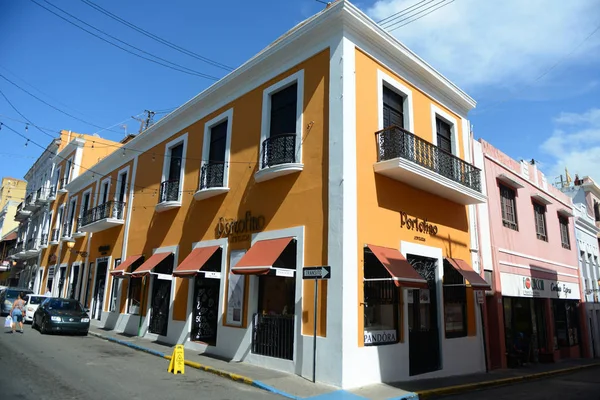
(260, 258)
(194, 262)
(10, 236)
(472, 278)
(400, 270)
(125, 266)
(150, 264)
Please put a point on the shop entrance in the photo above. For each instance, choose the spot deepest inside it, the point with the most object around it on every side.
(423, 331)
(73, 281)
(98, 300)
(62, 271)
(206, 303)
(161, 297)
(273, 328)
(525, 330)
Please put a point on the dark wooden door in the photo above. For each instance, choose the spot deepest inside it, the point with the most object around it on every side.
(205, 314)
(159, 314)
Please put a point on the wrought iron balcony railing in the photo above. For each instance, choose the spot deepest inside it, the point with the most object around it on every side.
(62, 183)
(280, 149)
(212, 175)
(110, 209)
(55, 234)
(30, 199)
(68, 229)
(32, 244)
(52, 192)
(169, 191)
(395, 142)
(19, 247)
(44, 239)
(273, 335)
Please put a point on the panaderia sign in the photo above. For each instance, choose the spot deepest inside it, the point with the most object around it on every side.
(526, 286)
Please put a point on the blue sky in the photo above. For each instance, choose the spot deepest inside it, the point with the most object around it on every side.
(535, 78)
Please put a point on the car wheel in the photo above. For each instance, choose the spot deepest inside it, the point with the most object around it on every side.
(33, 323)
(44, 329)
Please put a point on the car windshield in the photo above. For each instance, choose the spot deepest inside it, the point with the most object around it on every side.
(63, 305)
(35, 299)
(12, 294)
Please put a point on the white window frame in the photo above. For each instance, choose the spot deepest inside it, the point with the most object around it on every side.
(437, 112)
(265, 129)
(115, 281)
(69, 170)
(167, 161)
(72, 217)
(225, 116)
(118, 187)
(101, 191)
(90, 205)
(384, 79)
(60, 212)
(57, 179)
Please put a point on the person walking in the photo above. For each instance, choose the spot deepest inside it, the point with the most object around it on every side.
(17, 311)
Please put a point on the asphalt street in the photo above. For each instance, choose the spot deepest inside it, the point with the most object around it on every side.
(584, 385)
(52, 367)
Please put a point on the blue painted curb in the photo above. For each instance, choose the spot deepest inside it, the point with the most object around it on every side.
(264, 386)
(407, 396)
(135, 346)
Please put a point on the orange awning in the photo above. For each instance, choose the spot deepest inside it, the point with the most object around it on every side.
(125, 266)
(194, 262)
(150, 264)
(400, 270)
(10, 236)
(471, 277)
(262, 255)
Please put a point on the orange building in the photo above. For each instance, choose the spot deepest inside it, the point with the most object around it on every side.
(334, 146)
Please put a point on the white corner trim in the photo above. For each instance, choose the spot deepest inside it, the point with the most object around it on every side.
(90, 201)
(265, 126)
(167, 158)
(514, 253)
(404, 91)
(224, 116)
(128, 218)
(438, 112)
(101, 191)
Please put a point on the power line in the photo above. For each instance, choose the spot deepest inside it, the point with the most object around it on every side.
(27, 119)
(178, 68)
(396, 25)
(50, 105)
(157, 38)
(400, 13)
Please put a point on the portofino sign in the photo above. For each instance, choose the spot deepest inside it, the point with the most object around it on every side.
(239, 230)
(525, 286)
(415, 224)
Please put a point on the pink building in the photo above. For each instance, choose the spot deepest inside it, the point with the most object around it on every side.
(529, 255)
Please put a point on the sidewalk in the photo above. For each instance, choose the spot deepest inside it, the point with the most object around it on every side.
(296, 387)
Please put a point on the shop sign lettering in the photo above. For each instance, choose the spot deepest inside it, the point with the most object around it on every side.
(380, 337)
(239, 230)
(526, 286)
(415, 224)
(533, 283)
(556, 287)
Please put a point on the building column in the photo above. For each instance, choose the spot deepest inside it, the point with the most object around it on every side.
(495, 329)
(550, 330)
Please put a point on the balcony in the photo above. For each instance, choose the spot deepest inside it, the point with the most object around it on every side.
(78, 232)
(278, 157)
(407, 158)
(102, 217)
(29, 203)
(19, 250)
(169, 196)
(33, 247)
(212, 180)
(61, 185)
(67, 231)
(54, 236)
(22, 214)
(44, 241)
(51, 193)
(41, 197)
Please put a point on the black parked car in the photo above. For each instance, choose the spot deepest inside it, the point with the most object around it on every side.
(61, 315)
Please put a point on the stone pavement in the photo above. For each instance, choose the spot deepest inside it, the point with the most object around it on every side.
(296, 387)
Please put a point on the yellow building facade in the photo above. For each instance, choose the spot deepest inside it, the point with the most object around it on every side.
(333, 147)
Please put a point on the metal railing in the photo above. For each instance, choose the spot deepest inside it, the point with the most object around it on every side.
(67, 229)
(44, 239)
(395, 142)
(273, 335)
(20, 207)
(110, 209)
(169, 191)
(19, 247)
(55, 233)
(212, 174)
(52, 192)
(32, 243)
(30, 199)
(280, 149)
(62, 183)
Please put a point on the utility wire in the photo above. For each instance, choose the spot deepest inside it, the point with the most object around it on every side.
(398, 24)
(178, 68)
(27, 119)
(398, 14)
(157, 38)
(50, 105)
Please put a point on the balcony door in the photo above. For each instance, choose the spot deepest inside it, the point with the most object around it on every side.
(214, 169)
(391, 142)
(447, 166)
(280, 146)
(175, 163)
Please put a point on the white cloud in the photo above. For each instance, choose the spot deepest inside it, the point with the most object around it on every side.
(575, 144)
(501, 43)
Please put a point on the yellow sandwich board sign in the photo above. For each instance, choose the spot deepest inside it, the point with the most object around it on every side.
(177, 363)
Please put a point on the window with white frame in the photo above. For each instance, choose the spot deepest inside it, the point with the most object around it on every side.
(173, 170)
(57, 223)
(68, 170)
(214, 172)
(69, 226)
(57, 182)
(281, 131)
(444, 127)
(104, 189)
(134, 296)
(114, 290)
(120, 196)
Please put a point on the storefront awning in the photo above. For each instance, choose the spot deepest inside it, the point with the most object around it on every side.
(147, 267)
(9, 237)
(194, 262)
(125, 266)
(399, 269)
(261, 257)
(472, 278)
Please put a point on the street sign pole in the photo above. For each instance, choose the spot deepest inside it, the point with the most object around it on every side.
(315, 333)
(316, 273)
